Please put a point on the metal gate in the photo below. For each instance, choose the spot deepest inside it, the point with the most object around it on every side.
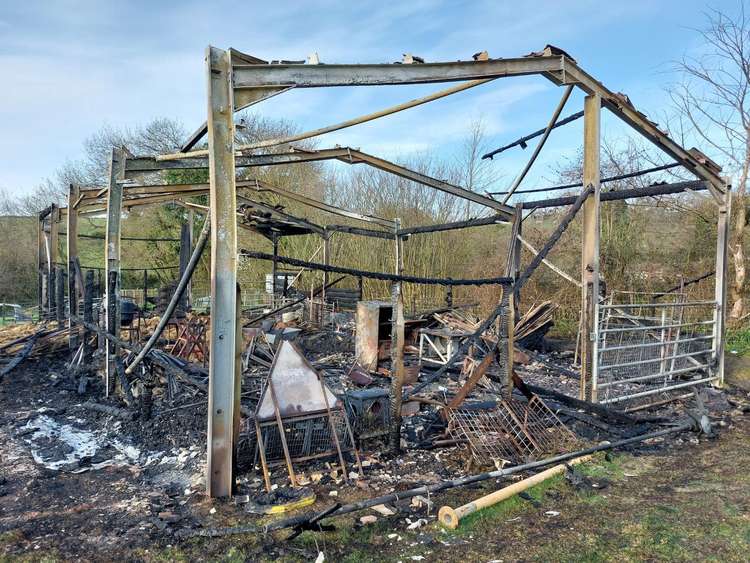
(646, 344)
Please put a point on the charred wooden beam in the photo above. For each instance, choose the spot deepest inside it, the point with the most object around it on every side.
(481, 221)
(555, 236)
(375, 275)
(522, 141)
(618, 195)
(373, 233)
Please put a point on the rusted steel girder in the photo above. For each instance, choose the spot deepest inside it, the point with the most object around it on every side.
(222, 387)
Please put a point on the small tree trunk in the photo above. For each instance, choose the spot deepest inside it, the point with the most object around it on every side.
(737, 290)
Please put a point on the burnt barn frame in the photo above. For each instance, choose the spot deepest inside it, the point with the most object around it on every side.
(236, 81)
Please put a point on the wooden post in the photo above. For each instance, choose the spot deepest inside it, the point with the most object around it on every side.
(88, 313)
(112, 258)
(397, 349)
(186, 249)
(52, 291)
(72, 239)
(720, 288)
(145, 289)
(52, 256)
(514, 263)
(274, 268)
(397, 366)
(191, 236)
(54, 239)
(590, 250)
(223, 204)
(326, 261)
(60, 295)
(41, 296)
(511, 340)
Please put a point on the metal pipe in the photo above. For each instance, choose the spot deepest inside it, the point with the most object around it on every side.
(522, 140)
(653, 376)
(646, 305)
(602, 181)
(632, 346)
(540, 145)
(638, 328)
(547, 263)
(375, 275)
(651, 361)
(659, 390)
(181, 286)
(618, 195)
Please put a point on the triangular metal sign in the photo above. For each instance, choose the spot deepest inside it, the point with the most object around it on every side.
(296, 386)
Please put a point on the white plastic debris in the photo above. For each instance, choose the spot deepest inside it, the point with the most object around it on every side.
(418, 524)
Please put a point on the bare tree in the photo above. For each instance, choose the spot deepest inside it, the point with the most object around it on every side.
(475, 174)
(713, 99)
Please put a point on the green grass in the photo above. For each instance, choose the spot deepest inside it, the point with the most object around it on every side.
(738, 340)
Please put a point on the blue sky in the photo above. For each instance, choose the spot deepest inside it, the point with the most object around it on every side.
(69, 67)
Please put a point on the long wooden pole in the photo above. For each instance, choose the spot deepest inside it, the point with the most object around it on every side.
(451, 517)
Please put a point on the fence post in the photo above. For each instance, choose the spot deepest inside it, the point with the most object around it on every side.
(88, 313)
(52, 292)
(60, 299)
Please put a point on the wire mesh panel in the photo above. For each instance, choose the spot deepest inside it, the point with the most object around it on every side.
(515, 430)
(307, 437)
(647, 344)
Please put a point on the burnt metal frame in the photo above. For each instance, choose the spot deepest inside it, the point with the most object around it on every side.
(236, 81)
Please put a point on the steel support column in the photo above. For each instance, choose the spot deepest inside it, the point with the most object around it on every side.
(590, 244)
(112, 252)
(722, 248)
(72, 240)
(222, 387)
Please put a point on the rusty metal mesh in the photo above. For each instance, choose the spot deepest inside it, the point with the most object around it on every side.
(514, 431)
(307, 437)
